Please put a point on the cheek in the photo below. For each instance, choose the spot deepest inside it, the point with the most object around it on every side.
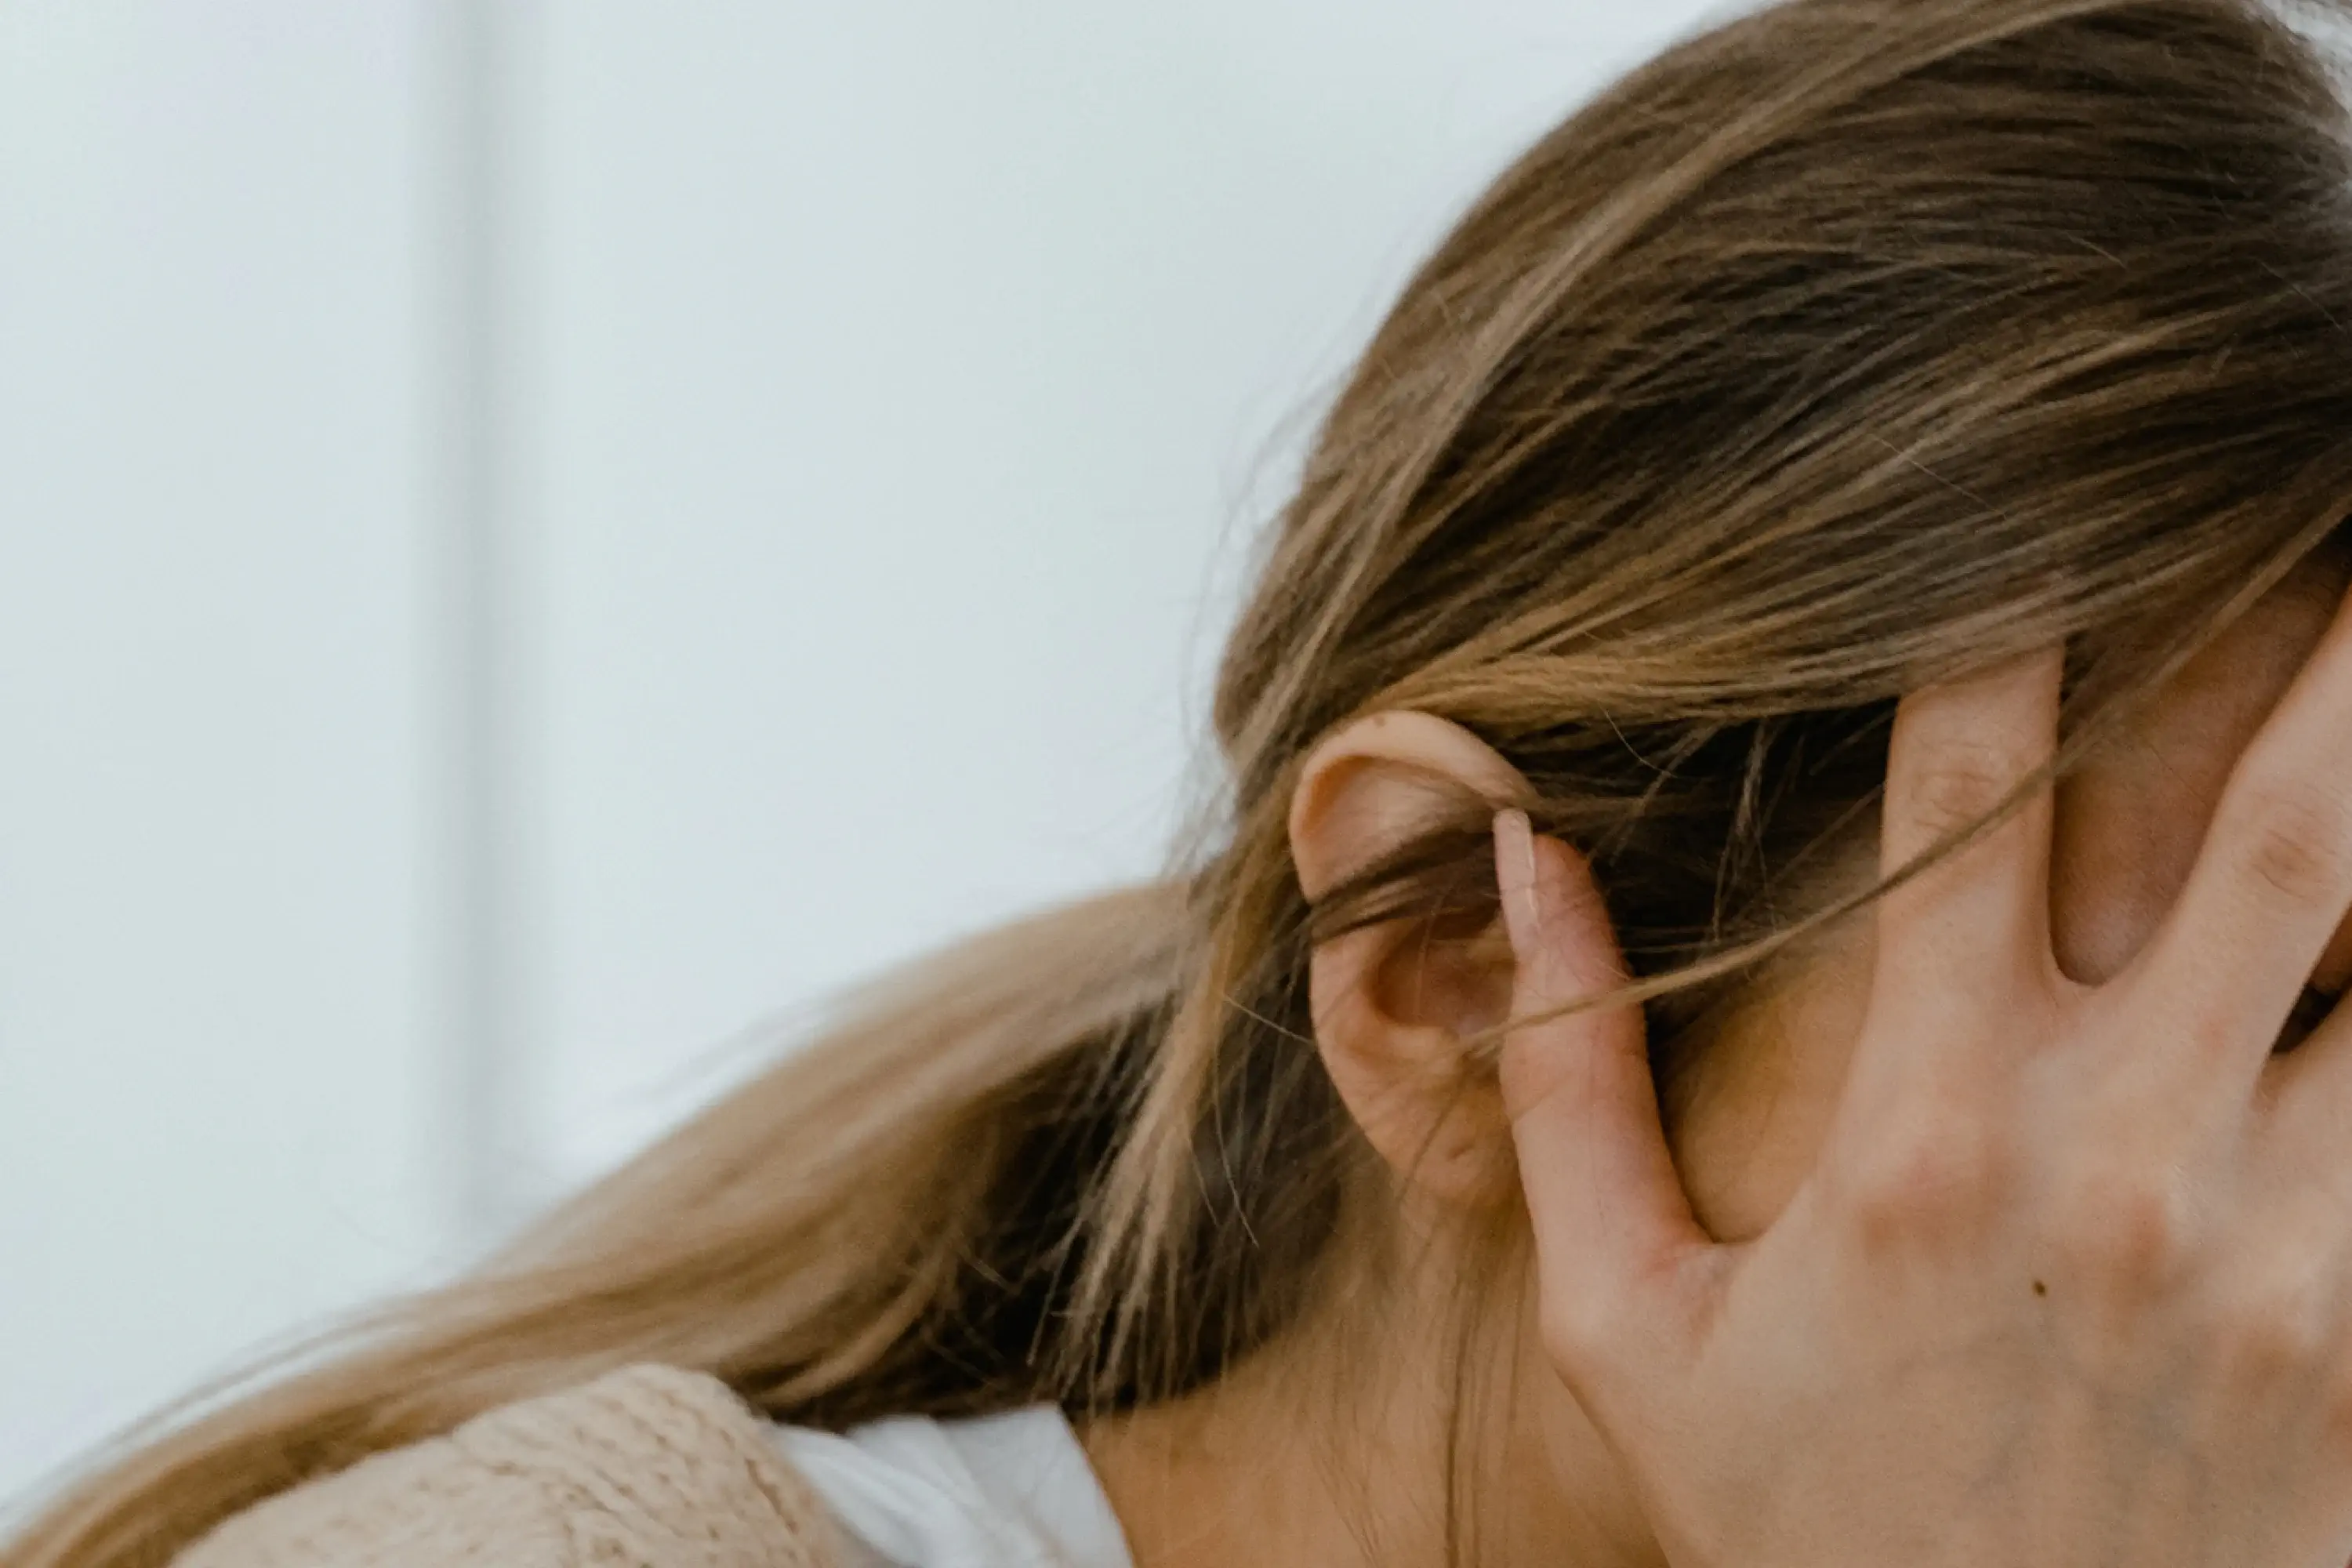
(2127, 836)
(1748, 1121)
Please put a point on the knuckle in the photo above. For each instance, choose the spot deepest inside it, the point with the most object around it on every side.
(1575, 1328)
(2334, 1381)
(2325, 1376)
(1927, 1186)
(1592, 1348)
(1957, 782)
(2295, 841)
(2283, 1331)
(2127, 1232)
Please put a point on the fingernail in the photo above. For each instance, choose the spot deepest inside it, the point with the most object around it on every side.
(1515, 873)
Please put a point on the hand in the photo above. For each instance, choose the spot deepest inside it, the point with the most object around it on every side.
(2068, 1285)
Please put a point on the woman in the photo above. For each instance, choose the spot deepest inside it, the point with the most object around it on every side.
(1862, 417)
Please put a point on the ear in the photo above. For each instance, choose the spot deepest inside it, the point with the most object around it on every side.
(1392, 1003)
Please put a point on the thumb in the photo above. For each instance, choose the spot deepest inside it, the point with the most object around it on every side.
(1612, 1227)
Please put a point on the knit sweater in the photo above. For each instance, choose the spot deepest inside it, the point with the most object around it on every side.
(650, 1466)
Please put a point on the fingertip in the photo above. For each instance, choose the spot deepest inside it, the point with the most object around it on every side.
(1512, 833)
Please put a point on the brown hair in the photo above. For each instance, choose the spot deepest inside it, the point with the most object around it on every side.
(1853, 344)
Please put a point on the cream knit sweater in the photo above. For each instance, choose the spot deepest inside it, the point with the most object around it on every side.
(650, 1466)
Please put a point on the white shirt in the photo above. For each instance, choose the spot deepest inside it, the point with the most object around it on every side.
(999, 1491)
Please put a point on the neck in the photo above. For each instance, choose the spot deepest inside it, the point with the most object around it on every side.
(1413, 1431)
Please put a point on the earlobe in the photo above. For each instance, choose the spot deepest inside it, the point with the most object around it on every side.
(1393, 1001)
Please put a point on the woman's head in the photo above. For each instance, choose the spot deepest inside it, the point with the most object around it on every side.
(1854, 345)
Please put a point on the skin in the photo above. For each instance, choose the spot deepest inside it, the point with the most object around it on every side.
(2129, 829)
(1600, 1448)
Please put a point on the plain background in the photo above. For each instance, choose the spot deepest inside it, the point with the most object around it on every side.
(538, 541)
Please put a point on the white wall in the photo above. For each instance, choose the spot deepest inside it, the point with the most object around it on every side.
(899, 369)
(867, 401)
(210, 1086)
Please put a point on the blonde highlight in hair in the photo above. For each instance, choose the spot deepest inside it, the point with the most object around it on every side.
(1851, 345)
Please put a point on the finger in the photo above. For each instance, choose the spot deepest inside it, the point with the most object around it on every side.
(2266, 895)
(1973, 930)
(1611, 1222)
(2304, 1104)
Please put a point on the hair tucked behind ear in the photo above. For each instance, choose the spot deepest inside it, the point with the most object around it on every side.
(1855, 344)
